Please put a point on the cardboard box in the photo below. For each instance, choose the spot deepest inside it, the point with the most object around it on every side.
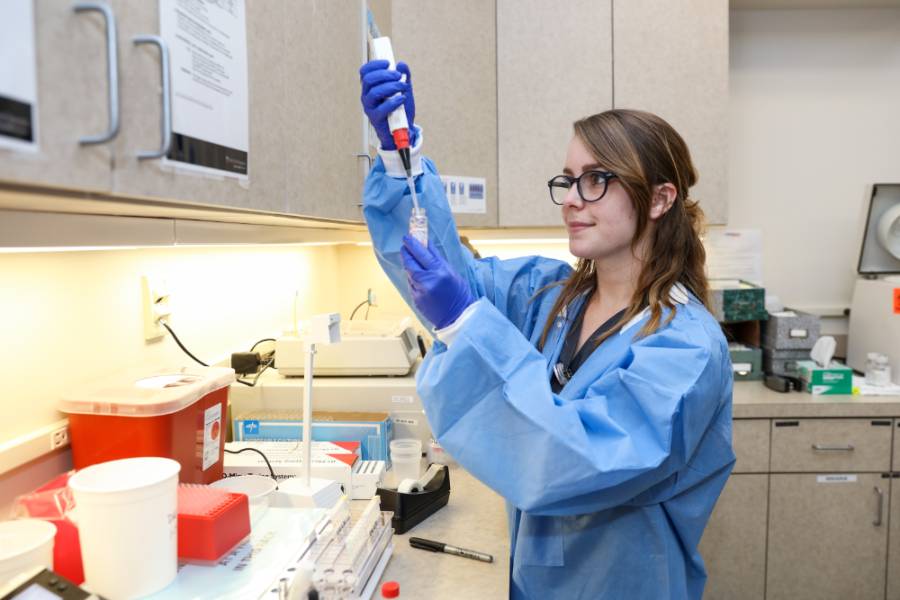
(783, 362)
(373, 431)
(746, 362)
(790, 330)
(735, 300)
(836, 379)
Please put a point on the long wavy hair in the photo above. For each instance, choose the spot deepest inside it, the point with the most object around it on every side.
(644, 151)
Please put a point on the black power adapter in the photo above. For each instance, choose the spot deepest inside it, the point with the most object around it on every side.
(245, 363)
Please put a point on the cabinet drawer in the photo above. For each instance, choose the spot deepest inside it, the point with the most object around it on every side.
(826, 445)
(750, 438)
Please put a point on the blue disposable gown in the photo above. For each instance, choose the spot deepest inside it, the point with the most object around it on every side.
(609, 483)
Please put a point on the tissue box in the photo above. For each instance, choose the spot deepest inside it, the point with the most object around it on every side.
(836, 379)
(737, 300)
(790, 330)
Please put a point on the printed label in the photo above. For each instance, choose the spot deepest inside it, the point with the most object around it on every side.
(897, 301)
(402, 421)
(212, 435)
(836, 479)
(798, 333)
(402, 399)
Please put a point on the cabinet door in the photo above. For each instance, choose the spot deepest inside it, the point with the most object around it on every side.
(671, 58)
(827, 537)
(72, 90)
(750, 439)
(452, 53)
(734, 543)
(553, 67)
(893, 566)
(142, 114)
(323, 53)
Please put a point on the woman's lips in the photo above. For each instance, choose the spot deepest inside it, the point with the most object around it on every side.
(576, 226)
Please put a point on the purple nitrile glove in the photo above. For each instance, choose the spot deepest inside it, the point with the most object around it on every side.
(382, 92)
(439, 293)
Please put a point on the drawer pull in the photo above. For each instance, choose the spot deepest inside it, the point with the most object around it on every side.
(880, 512)
(823, 448)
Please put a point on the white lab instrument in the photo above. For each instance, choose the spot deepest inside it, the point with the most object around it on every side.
(381, 49)
(308, 491)
(126, 512)
(396, 396)
(875, 310)
(366, 348)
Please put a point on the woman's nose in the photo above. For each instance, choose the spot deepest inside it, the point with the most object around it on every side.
(573, 198)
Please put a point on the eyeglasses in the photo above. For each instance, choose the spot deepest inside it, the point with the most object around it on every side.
(591, 186)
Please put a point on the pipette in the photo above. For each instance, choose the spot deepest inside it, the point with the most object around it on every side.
(381, 49)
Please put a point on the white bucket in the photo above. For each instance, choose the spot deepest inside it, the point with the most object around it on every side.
(127, 516)
(24, 545)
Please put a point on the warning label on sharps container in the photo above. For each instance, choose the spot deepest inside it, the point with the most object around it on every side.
(212, 435)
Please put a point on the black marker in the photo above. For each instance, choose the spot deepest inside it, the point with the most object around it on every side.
(423, 544)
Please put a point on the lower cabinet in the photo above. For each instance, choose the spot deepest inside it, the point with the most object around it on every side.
(734, 543)
(827, 536)
(893, 568)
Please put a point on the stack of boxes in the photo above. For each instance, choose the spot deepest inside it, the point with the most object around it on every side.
(787, 338)
(740, 306)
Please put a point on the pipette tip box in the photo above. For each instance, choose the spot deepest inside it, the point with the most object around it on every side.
(211, 522)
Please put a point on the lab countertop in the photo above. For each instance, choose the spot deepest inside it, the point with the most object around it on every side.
(753, 400)
(475, 519)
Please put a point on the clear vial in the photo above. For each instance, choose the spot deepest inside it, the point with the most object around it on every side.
(418, 225)
(878, 370)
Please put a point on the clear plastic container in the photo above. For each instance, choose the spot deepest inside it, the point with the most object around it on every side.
(878, 369)
(406, 458)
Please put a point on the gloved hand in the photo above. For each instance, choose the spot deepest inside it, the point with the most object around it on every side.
(439, 293)
(382, 92)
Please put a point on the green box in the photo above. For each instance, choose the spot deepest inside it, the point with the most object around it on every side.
(735, 300)
(836, 379)
(746, 362)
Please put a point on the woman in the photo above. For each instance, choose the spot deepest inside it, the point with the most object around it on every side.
(596, 401)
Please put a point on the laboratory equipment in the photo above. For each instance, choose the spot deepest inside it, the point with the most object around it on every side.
(24, 545)
(257, 488)
(367, 348)
(381, 49)
(875, 309)
(175, 413)
(406, 459)
(211, 522)
(43, 584)
(127, 522)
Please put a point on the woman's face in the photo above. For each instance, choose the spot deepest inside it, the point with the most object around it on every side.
(601, 230)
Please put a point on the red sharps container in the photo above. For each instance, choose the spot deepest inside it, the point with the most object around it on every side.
(173, 413)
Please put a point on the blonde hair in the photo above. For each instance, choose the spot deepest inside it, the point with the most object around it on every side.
(644, 151)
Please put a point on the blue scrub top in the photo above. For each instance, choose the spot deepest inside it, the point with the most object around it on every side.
(610, 482)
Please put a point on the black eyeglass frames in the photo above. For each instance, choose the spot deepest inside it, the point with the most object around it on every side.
(591, 186)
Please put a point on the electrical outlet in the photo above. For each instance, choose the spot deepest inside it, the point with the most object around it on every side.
(59, 438)
(157, 308)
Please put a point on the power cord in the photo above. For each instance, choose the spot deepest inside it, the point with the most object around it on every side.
(238, 379)
(260, 452)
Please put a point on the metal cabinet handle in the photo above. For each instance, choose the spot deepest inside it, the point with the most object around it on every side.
(880, 513)
(822, 448)
(166, 125)
(112, 71)
(368, 159)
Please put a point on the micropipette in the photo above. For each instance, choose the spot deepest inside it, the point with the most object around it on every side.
(381, 49)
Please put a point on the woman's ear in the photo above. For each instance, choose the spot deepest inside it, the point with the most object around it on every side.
(664, 196)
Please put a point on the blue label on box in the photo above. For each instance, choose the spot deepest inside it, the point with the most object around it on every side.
(251, 427)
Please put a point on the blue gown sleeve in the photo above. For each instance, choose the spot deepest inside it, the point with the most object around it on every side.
(637, 425)
(508, 284)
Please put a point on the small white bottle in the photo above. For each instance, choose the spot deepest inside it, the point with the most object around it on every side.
(418, 225)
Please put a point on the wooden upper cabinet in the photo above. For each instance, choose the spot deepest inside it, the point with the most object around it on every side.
(324, 127)
(671, 58)
(450, 48)
(140, 72)
(554, 66)
(72, 102)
